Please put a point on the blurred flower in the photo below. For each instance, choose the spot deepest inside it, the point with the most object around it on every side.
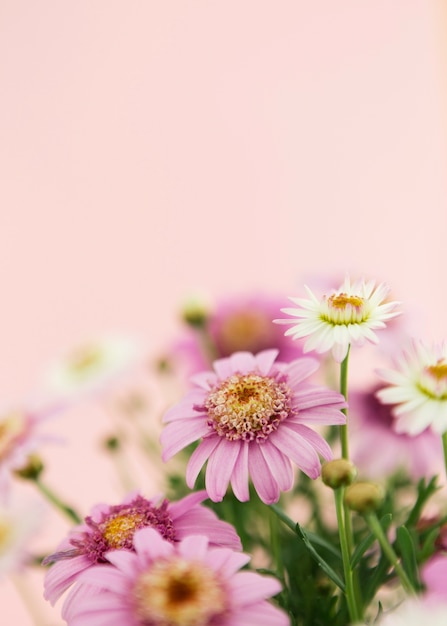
(348, 316)
(414, 612)
(19, 522)
(237, 323)
(187, 584)
(418, 388)
(113, 527)
(434, 576)
(20, 437)
(372, 429)
(90, 367)
(251, 413)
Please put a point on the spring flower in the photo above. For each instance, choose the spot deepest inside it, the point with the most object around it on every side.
(251, 413)
(20, 437)
(187, 584)
(415, 612)
(237, 323)
(434, 577)
(113, 527)
(350, 315)
(90, 367)
(418, 388)
(372, 429)
(19, 522)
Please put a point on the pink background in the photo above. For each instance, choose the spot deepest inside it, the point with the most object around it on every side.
(153, 150)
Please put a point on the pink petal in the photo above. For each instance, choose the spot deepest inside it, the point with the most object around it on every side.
(198, 458)
(300, 369)
(314, 438)
(265, 359)
(324, 415)
(316, 396)
(297, 449)
(223, 368)
(263, 481)
(149, 544)
(249, 587)
(220, 468)
(279, 465)
(242, 362)
(259, 614)
(239, 478)
(62, 574)
(175, 437)
(205, 380)
(194, 547)
(179, 508)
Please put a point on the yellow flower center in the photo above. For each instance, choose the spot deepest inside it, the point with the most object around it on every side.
(248, 407)
(341, 301)
(439, 370)
(119, 530)
(433, 380)
(344, 309)
(84, 360)
(245, 330)
(5, 534)
(12, 427)
(175, 592)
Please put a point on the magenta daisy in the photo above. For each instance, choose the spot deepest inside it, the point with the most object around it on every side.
(187, 584)
(434, 577)
(348, 316)
(418, 388)
(252, 414)
(113, 527)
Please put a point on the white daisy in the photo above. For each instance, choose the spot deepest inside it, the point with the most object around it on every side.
(414, 612)
(349, 315)
(89, 367)
(418, 388)
(19, 523)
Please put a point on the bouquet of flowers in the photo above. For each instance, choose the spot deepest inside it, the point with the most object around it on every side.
(291, 496)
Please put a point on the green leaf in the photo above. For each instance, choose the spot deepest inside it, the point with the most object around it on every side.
(319, 559)
(407, 550)
(424, 493)
(367, 542)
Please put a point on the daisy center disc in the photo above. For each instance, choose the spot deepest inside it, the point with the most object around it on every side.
(248, 407)
(343, 308)
(84, 360)
(116, 529)
(434, 380)
(179, 593)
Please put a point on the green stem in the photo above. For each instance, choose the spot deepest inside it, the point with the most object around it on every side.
(51, 497)
(355, 612)
(444, 446)
(344, 391)
(376, 529)
(275, 543)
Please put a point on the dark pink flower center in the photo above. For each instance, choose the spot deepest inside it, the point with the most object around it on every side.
(116, 529)
(248, 406)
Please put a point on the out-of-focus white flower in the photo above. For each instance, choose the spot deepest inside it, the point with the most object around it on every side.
(19, 522)
(416, 612)
(91, 366)
(418, 388)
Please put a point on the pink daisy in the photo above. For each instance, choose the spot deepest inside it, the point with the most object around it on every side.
(237, 323)
(113, 527)
(372, 429)
(434, 577)
(162, 584)
(251, 414)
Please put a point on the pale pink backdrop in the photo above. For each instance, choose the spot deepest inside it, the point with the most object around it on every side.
(154, 150)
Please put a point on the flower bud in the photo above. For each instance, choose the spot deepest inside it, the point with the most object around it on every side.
(364, 497)
(32, 468)
(338, 473)
(195, 314)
